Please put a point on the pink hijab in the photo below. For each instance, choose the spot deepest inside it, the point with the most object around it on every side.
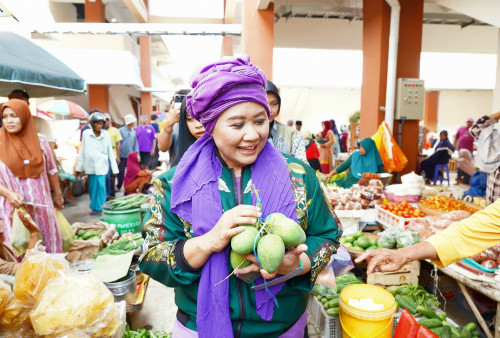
(133, 168)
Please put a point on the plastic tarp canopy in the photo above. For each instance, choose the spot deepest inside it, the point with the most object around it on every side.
(25, 65)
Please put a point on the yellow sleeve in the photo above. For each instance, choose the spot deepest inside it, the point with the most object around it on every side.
(468, 237)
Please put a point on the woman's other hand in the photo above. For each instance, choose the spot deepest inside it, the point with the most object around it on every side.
(15, 199)
(227, 226)
(291, 261)
(58, 201)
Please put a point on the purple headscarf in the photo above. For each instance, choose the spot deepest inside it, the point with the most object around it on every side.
(222, 85)
(195, 193)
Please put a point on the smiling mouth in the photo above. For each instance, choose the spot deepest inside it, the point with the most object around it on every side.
(248, 150)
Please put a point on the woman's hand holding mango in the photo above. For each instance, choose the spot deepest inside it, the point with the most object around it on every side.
(218, 238)
(291, 261)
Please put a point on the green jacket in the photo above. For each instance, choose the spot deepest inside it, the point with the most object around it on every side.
(350, 180)
(165, 234)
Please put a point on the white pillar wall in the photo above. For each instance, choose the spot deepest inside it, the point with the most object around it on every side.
(496, 91)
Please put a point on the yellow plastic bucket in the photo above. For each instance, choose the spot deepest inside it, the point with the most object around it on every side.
(358, 323)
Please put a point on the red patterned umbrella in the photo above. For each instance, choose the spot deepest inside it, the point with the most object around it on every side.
(64, 107)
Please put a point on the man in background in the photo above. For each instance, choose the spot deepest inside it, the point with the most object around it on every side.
(128, 144)
(116, 137)
(146, 138)
(289, 123)
(298, 126)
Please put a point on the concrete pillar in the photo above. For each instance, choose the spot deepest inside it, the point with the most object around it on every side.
(431, 110)
(146, 97)
(258, 35)
(98, 94)
(98, 97)
(376, 19)
(409, 49)
(496, 90)
(94, 11)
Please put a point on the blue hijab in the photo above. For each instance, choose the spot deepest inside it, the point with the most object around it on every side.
(369, 162)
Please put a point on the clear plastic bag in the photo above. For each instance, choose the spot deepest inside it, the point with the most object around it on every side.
(36, 271)
(5, 294)
(76, 304)
(340, 263)
(20, 235)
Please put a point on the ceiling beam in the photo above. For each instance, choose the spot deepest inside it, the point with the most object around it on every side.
(138, 29)
(483, 10)
(138, 9)
(263, 4)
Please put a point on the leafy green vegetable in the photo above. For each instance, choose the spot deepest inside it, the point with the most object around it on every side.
(143, 333)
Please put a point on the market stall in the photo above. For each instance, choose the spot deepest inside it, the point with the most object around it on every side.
(90, 290)
(406, 214)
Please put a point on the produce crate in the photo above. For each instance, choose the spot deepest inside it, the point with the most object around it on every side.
(408, 274)
(328, 326)
(388, 219)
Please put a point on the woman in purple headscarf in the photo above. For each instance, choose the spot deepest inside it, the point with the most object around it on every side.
(198, 205)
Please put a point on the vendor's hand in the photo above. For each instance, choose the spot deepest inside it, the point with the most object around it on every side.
(58, 201)
(15, 199)
(78, 173)
(118, 161)
(383, 260)
(152, 152)
(218, 238)
(291, 261)
(330, 174)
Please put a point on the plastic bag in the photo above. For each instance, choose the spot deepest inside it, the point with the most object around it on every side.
(340, 263)
(78, 186)
(16, 314)
(393, 157)
(67, 233)
(36, 271)
(4, 299)
(20, 235)
(76, 304)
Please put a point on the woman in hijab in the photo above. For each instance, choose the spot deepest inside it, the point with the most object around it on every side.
(198, 205)
(325, 151)
(189, 131)
(365, 160)
(465, 166)
(442, 154)
(336, 138)
(27, 174)
(136, 179)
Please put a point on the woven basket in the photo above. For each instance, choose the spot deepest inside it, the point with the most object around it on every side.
(434, 212)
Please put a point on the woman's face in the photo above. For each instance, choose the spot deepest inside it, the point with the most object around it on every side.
(195, 128)
(11, 122)
(362, 150)
(241, 133)
(274, 106)
(442, 136)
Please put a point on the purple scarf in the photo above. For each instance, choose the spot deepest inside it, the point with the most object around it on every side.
(196, 199)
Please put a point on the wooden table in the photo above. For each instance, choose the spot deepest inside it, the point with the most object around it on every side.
(485, 285)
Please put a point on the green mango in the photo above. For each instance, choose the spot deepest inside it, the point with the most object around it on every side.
(242, 243)
(290, 232)
(270, 252)
(237, 259)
